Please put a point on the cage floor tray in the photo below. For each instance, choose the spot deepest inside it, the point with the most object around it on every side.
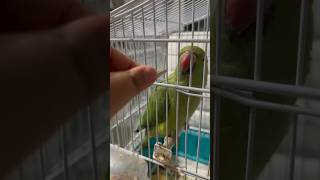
(192, 144)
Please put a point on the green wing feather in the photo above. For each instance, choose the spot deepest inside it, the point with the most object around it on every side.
(158, 98)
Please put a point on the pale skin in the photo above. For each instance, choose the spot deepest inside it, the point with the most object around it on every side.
(127, 79)
(54, 61)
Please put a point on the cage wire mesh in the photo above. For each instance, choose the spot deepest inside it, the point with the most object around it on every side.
(153, 32)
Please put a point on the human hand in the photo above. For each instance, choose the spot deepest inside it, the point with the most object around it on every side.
(127, 79)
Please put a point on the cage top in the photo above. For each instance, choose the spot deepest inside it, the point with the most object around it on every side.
(141, 18)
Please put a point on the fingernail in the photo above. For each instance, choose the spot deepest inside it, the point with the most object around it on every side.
(149, 74)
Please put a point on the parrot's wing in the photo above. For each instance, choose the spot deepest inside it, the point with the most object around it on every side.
(156, 108)
(157, 101)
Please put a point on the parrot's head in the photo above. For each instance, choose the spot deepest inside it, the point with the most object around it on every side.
(190, 57)
(192, 60)
(240, 14)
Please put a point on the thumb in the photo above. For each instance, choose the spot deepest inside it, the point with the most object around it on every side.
(124, 85)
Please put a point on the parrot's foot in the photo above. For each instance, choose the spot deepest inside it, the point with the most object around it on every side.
(163, 152)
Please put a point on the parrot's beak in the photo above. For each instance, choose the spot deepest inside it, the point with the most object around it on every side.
(186, 58)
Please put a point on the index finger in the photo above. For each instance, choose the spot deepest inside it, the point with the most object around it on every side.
(119, 61)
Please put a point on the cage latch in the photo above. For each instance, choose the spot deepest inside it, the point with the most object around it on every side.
(163, 152)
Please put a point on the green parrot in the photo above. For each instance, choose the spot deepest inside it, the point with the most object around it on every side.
(280, 39)
(190, 56)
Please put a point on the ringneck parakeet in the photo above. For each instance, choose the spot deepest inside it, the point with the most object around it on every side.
(280, 39)
(189, 54)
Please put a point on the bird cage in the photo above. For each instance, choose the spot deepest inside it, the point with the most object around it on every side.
(153, 32)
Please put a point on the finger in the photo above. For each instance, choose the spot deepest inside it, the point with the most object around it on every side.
(119, 61)
(124, 85)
